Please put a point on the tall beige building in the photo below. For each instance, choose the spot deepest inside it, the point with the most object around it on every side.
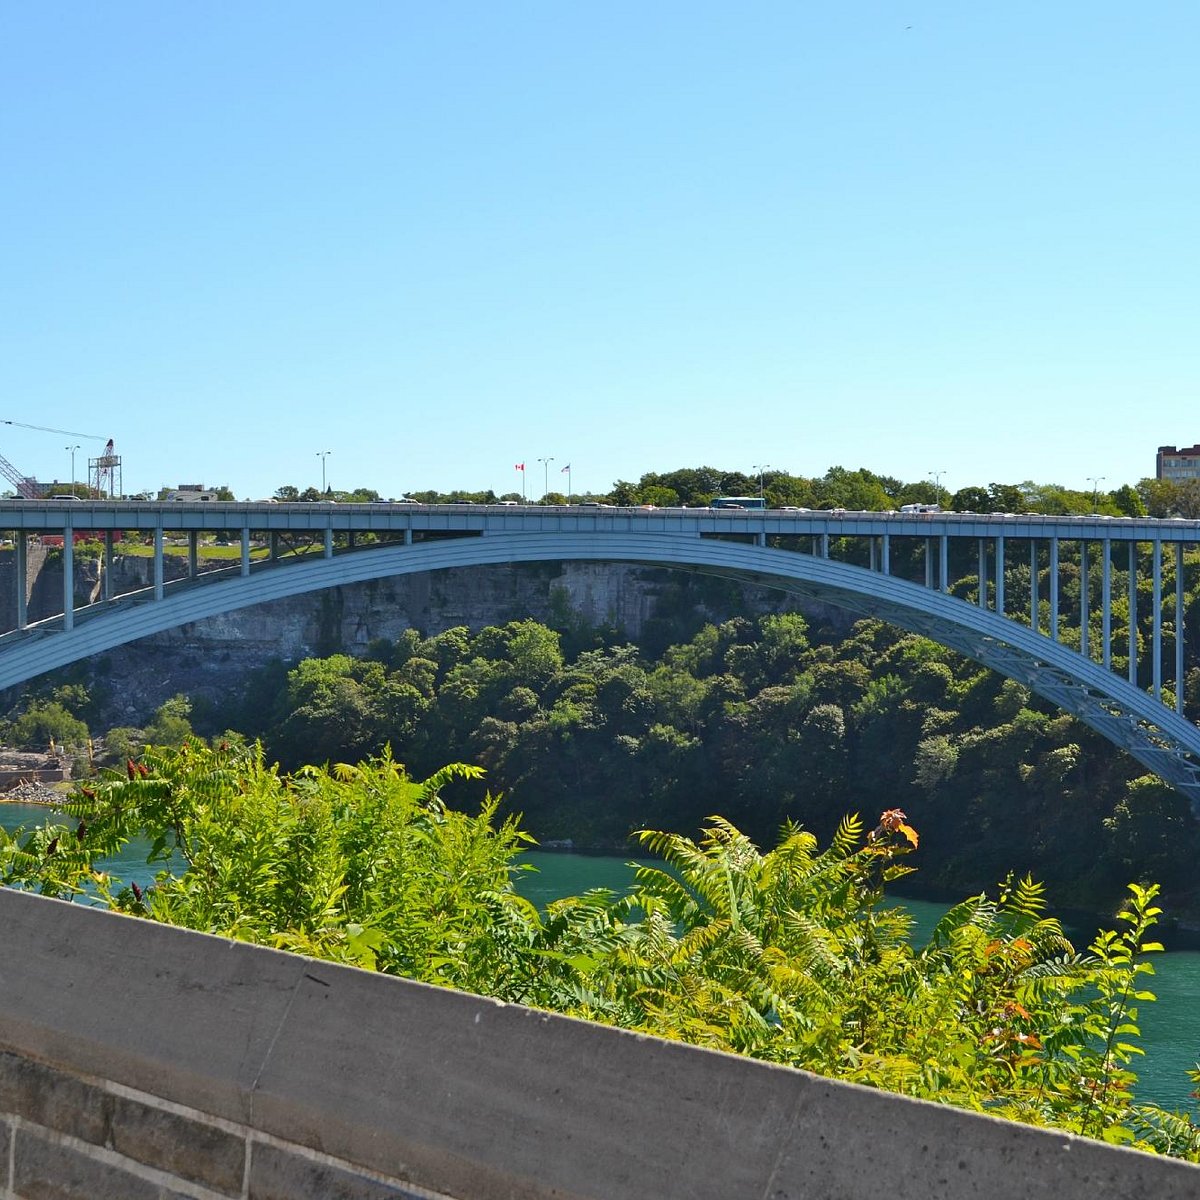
(1183, 463)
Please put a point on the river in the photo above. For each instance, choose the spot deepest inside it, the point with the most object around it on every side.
(1170, 1026)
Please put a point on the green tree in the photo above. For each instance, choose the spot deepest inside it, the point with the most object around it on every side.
(856, 490)
(1157, 496)
(170, 726)
(971, 499)
(49, 725)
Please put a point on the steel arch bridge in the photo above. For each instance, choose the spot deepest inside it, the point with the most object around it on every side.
(1137, 721)
(732, 546)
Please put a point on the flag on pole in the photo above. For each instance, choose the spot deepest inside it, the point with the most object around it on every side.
(519, 467)
(565, 469)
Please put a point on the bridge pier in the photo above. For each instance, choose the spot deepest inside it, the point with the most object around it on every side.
(1000, 575)
(1156, 619)
(21, 553)
(1179, 680)
(158, 562)
(68, 577)
(1054, 589)
(329, 543)
(1035, 604)
(1084, 614)
(1133, 644)
(245, 550)
(1106, 603)
(106, 583)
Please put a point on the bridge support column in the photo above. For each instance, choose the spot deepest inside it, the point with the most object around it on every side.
(68, 576)
(1106, 603)
(246, 551)
(929, 563)
(983, 573)
(351, 540)
(1000, 574)
(1084, 589)
(158, 562)
(1054, 589)
(274, 545)
(886, 554)
(760, 539)
(1133, 640)
(1035, 610)
(824, 545)
(871, 552)
(193, 554)
(21, 548)
(408, 536)
(944, 563)
(1179, 627)
(106, 583)
(328, 543)
(1156, 620)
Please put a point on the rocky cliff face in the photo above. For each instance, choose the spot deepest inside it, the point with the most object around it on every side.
(209, 658)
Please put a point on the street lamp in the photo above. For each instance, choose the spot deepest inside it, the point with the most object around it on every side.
(760, 468)
(1095, 481)
(936, 476)
(323, 455)
(72, 449)
(545, 475)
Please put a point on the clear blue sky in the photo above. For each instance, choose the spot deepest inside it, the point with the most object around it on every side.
(441, 239)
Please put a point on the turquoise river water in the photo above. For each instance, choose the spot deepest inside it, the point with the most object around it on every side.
(1170, 1026)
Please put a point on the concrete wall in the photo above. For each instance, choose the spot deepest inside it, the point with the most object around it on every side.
(142, 1061)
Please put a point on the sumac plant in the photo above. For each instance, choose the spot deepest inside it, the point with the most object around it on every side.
(793, 955)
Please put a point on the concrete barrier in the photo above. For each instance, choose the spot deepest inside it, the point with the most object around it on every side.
(137, 1060)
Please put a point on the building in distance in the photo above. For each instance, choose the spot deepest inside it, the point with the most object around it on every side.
(1183, 463)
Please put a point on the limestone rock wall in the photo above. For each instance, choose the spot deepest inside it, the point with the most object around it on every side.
(210, 657)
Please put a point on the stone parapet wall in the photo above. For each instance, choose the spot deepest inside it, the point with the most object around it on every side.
(68, 1135)
(138, 1060)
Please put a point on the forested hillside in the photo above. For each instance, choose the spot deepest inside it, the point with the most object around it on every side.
(758, 721)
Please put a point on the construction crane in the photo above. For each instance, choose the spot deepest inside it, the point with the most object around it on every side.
(28, 487)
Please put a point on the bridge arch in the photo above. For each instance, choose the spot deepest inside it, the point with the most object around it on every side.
(1159, 738)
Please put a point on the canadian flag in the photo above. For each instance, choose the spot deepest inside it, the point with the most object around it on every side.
(519, 467)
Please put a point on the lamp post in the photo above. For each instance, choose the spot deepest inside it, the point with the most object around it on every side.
(936, 476)
(1095, 481)
(760, 468)
(323, 455)
(545, 475)
(72, 449)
